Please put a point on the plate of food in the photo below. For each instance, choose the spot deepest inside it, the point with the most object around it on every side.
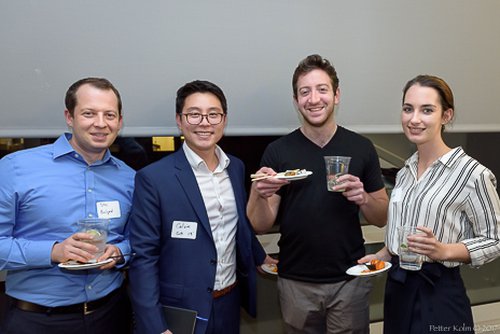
(290, 175)
(270, 268)
(374, 267)
(75, 265)
(293, 174)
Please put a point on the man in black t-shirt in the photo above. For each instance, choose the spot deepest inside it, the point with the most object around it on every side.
(321, 235)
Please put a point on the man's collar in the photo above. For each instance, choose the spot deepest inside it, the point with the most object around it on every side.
(63, 147)
(195, 160)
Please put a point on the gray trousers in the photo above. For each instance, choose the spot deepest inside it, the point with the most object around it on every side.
(333, 308)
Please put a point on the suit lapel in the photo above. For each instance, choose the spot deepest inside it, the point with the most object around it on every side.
(238, 190)
(240, 198)
(188, 183)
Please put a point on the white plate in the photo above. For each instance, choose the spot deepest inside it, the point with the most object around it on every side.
(73, 265)
(270, 268)
(357, 270)
(282, 176)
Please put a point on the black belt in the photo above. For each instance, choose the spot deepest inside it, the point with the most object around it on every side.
(83, 308)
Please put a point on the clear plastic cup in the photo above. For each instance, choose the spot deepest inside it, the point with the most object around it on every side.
(335, 166)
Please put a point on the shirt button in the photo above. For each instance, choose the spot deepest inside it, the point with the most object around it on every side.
(89, 190)
(212, 261)
(210, 290)
(91, 215)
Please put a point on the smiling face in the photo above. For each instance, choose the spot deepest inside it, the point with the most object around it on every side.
(95, 122)
(203, 137)
(422, 115)
(316, 98)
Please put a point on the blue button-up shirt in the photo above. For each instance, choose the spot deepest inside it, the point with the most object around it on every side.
(43, 192)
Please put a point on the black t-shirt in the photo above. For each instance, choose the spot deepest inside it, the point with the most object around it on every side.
(320, 230)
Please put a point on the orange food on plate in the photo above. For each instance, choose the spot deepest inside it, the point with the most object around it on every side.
(378, 264)
(374, 265)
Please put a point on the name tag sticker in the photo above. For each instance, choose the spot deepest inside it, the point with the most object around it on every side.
(110, 209)
(184, 230)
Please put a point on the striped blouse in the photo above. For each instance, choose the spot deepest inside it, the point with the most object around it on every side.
(455, 197)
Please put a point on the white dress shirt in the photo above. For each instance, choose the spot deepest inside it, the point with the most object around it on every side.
(455, 197)
(218, 196)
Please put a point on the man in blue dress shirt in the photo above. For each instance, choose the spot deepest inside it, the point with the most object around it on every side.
(43, 192)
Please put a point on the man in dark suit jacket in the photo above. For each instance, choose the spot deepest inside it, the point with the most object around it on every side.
(194, 246)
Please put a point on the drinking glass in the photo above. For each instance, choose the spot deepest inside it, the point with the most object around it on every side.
(335, 167)
(98, 228)
(408, 260)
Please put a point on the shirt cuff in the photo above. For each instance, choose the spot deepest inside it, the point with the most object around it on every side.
(39, 253)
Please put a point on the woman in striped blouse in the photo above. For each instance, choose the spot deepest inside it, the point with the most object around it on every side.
(452, 200)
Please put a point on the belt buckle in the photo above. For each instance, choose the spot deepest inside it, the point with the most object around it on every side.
(86, 311)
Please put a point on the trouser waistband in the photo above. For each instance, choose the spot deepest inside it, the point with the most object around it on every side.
(83, 308)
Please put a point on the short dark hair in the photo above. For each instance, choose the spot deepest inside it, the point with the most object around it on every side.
(199, 86)
(314, 62)
(100, 83)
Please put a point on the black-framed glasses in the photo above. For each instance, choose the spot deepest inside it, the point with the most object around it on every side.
(213, 118)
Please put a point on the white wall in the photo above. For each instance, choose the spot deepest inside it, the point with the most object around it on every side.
(250, 48)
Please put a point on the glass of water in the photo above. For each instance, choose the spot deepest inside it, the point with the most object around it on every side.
(98, 228)
(408, 260)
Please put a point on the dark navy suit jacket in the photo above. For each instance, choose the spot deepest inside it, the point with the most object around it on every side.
(181, 272)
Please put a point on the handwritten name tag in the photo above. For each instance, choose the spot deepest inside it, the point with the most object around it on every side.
(184, 230)
(110, 209)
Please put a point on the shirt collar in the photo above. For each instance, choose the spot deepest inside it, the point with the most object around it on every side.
(446, 160)
(63, 147)
(195, 161)
(449, 158)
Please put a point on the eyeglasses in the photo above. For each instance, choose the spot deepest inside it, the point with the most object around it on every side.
(213, 118)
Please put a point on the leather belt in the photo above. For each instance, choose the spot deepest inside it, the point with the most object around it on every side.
(83, 308)
(219, 293)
